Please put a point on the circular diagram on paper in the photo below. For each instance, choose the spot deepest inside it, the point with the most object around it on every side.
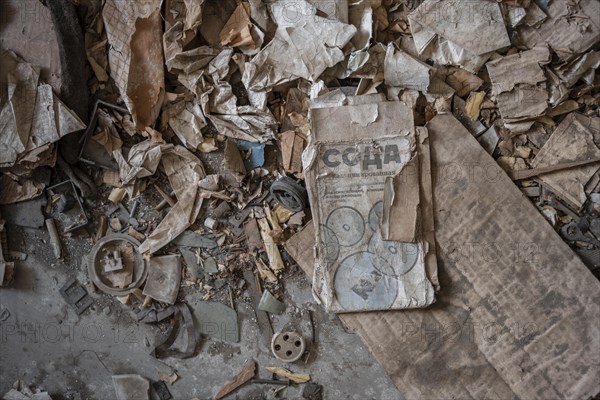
(360, 285)
(347, 224)
(329, 245)
(375, 216)
(402, 257)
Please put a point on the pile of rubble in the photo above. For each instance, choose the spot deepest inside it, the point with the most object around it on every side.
(190, 174)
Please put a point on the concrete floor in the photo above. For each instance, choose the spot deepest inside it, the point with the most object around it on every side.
(45, 343)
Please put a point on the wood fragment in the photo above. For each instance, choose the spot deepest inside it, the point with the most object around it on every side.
(473, 106)
(165, 196)
(102, 228)
(170, 379)
(264, 271)
(117, 195)
(529, 173)
(275, 261)
(247, 373)
(294, 377)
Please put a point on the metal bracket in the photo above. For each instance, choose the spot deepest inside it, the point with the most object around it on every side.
(76, 296)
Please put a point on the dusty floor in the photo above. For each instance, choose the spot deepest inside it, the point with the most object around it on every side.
(45, 343)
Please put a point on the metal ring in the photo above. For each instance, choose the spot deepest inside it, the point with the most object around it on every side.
(290, 194)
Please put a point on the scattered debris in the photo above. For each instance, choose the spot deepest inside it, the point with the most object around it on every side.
(21, 391)
(224, 130)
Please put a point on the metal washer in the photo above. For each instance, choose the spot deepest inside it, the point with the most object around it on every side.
(288, 346)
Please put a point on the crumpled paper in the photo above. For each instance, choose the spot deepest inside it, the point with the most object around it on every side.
(185, 171)
(303, 47)
(31, 115)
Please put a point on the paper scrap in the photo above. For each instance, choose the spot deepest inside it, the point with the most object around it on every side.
(134, 31)
(403, 70)
(303, 47)
(400, 212)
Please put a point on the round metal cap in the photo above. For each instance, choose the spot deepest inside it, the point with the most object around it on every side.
(288, 346)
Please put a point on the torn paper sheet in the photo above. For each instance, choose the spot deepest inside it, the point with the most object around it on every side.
(185, 171)
(527, 63)
(182, 20)
(107, 136)
(577, 69)
(478, 264)
(403, 70)
(475, 25)
(134, 31)
(369, 65)
(442, 51)
(572, 140)
(303, 47)
(521, 97)
(572, 27)
(31, 115)
(356, 269)
(190, 62)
